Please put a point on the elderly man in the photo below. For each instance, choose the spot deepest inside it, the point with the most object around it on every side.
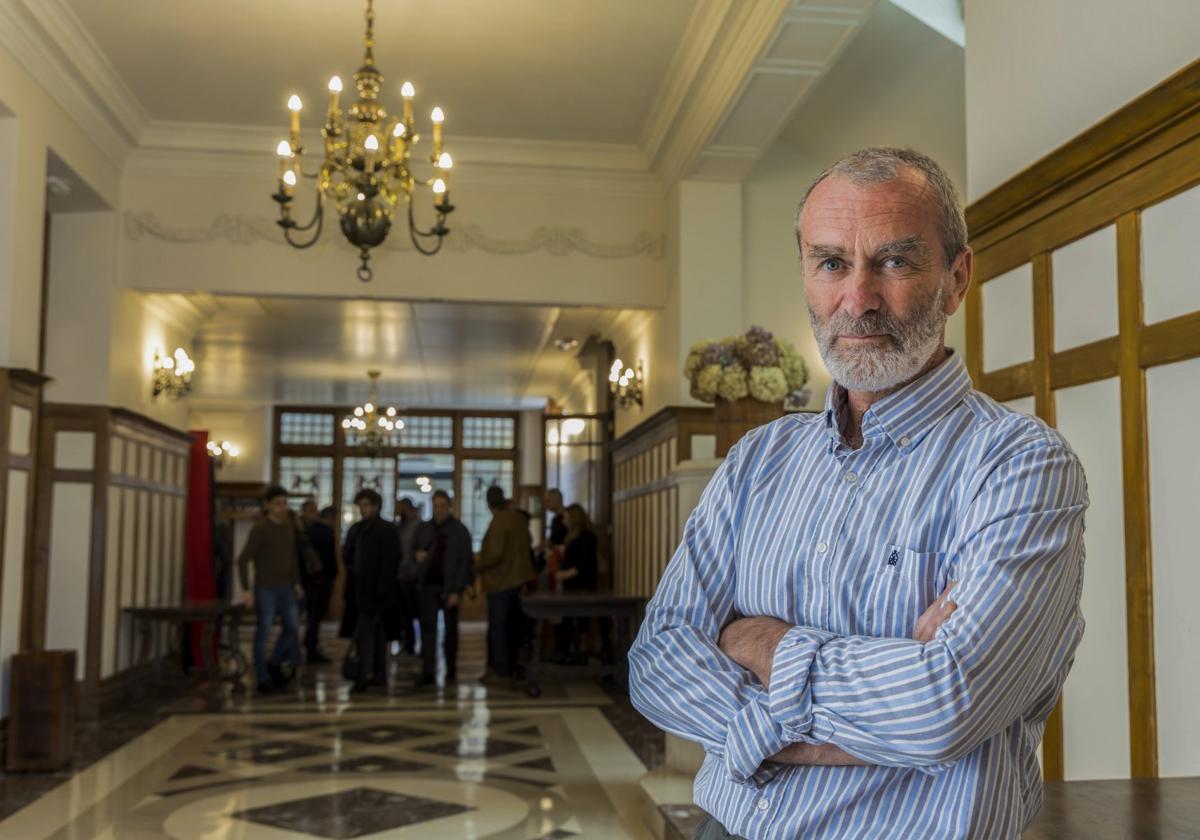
(803, 633)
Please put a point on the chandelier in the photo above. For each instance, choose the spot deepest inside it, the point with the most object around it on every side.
(366, 169)
(373, 423)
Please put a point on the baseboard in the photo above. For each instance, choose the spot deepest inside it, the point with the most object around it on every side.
(112, 693)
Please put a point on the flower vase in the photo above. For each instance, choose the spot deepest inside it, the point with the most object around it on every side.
(736, 417)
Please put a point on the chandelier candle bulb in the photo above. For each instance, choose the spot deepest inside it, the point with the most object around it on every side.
(439, 189)
(438, 117)
(335, 90)
(408, 92)
(370, 147)
(294, 106)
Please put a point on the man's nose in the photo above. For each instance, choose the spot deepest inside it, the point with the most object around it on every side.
(861, 292)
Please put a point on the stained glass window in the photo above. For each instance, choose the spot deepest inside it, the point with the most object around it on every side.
(303, 477)
(489, 433)
(421, 430)
(378, 474)
(308, 429)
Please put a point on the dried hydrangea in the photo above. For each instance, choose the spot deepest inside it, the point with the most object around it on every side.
(704, 386)
(733, 385)
(793, 364)
(719, 354)
(768, 384)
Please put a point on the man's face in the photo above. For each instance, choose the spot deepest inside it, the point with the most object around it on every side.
(277, 508)
(876, 279)
(552, 501)
(367, 508)
(407, 512)
(441, 509)
(309, 513)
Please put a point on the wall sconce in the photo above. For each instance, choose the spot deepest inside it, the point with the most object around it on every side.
(173, 375)
(221, 452)
(625, 384)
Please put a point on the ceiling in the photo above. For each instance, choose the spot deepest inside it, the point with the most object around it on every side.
(571, 70)
(317, 351)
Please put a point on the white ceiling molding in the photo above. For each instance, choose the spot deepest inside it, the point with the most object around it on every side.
(183, 149)
(46, 37)
(556, 241)
(807, 43)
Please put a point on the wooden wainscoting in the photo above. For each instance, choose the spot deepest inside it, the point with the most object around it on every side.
(1107, 178)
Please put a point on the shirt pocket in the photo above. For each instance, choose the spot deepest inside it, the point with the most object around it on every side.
(900, 585)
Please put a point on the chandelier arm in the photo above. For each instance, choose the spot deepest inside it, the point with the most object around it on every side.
(318, 219)
(414, 232)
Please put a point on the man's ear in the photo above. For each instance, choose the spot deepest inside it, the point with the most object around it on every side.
(960, 281)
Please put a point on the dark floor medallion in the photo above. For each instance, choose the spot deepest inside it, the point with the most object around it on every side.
(272, 752)
(384, 734)
(367, 764)
(351, 813)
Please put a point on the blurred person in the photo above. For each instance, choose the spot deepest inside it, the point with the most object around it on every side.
(376, 556)
(445, 572)
(504, 566)
(273, 547)
(407, 609)
(318, 586)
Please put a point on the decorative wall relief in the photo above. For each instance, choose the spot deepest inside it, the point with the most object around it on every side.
(553, 240)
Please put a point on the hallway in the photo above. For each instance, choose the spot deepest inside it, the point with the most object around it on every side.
(460, 762)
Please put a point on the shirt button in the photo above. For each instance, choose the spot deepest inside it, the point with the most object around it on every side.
(851, 478)
(821, 547)
(764, 804)
(905, 441)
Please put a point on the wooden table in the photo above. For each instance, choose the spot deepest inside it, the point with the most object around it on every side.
(218, 620)
(624, 610)
(1154, 809)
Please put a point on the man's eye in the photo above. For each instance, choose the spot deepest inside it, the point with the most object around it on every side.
(831, 264)
(895, 262)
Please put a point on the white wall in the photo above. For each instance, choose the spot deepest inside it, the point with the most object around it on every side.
(223, 239)
(1039, 73)
(247, 429)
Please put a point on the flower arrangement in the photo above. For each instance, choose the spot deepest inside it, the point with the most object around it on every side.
(756, 364)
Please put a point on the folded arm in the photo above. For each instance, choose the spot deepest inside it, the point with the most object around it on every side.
(679, 678)
(905, 703)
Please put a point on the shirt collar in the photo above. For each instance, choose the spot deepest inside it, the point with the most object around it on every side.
(906, 415)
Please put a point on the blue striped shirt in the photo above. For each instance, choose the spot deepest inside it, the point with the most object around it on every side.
(850, 546)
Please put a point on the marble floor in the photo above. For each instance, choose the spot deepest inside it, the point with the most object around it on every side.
(461, 761)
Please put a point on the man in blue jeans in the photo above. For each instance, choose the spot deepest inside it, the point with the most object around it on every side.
(273, 547)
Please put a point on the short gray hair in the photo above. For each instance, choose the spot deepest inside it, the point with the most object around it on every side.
(880, 164)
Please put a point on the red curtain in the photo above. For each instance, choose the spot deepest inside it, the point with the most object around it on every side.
(199, 581)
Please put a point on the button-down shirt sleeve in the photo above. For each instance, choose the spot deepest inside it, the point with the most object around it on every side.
(1004, 650)
(681, 680)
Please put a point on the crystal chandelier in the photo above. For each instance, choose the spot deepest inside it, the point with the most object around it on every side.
(373, 423)
(366, 169)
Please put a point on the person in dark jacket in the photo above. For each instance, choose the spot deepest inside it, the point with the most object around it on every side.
(445, 559)
(376, 559)
(578, 573)
(318, 585)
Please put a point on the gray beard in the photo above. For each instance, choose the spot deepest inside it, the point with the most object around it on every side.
(872, 369)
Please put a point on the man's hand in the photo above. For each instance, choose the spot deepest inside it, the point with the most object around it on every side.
(452, 600)
(751, 643)
(817, 755)
(935, 615)
(421, 555)
(248, 599)
(299, 590)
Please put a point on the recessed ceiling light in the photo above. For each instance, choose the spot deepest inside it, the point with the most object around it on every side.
(565, 344)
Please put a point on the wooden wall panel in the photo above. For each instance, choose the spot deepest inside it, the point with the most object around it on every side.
(1143, 159)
